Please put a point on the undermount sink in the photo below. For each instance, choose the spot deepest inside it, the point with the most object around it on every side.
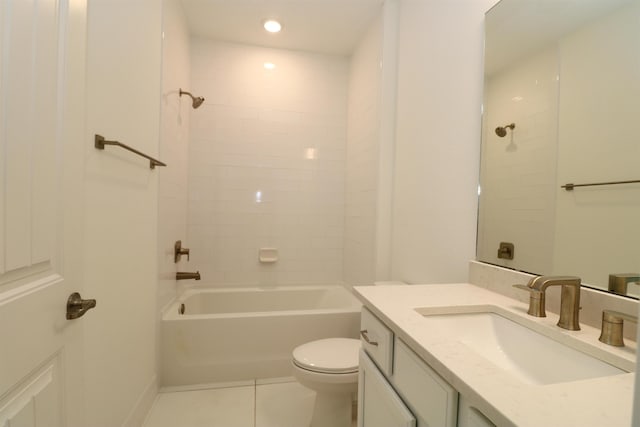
(530, 356)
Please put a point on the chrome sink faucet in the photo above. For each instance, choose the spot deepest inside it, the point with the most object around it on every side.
(569, 298)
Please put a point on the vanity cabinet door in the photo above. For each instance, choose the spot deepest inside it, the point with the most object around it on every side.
(378, 403)
(469, 416)
(433, 401)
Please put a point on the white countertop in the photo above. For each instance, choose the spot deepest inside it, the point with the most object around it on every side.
(598, 402)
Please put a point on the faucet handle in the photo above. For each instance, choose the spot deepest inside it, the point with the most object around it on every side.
(178, 251)
(532, 282)
(536, 299)
(612, 324)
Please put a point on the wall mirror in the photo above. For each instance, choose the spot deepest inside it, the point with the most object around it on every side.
(562, 106)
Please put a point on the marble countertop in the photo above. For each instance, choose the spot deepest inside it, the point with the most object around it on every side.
(506, 400)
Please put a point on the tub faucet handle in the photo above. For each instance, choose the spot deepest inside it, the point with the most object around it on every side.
(178, 251)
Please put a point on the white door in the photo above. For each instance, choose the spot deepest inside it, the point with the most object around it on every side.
(42, 62)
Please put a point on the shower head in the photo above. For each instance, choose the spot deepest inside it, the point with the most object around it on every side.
(501, 131)
(197, 101)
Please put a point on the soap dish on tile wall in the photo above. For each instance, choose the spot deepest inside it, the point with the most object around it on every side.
(268, 255)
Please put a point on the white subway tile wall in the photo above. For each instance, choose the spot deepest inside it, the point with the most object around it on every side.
(267, 160)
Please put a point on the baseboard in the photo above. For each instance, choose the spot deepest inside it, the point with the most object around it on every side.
(141, 409)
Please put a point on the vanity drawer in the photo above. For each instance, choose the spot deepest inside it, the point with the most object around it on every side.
(377, 340)
(432, 400)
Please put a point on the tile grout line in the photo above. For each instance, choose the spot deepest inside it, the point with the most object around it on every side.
(255, 403)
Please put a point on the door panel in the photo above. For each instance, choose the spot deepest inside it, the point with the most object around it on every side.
(33, 323)
(42, 61)
(30, 122)
(37, 401)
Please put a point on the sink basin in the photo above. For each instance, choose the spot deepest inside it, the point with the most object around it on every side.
(530, 356)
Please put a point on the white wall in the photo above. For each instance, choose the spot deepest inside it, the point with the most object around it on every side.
(174, 146)
(266, 164)
(387, 147)
(123, 103)
(437, 138)
(363, 135)
(436, 166)
(370, 151)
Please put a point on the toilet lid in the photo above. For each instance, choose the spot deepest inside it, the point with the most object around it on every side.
(332, 355)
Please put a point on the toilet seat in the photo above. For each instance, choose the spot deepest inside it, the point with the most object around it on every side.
(328, 356)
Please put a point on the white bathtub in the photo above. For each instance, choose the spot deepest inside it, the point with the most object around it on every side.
(235, 334)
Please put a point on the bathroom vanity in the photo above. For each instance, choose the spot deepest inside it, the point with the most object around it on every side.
(429, 358)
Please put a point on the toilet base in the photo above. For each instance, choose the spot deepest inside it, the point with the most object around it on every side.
(332, 410)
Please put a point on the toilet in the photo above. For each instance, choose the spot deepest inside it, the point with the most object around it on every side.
(330, 368)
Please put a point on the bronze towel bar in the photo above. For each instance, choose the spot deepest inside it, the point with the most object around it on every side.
(570, 187)
(100, 142)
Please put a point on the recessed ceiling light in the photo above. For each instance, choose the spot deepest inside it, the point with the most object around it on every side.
(272, 26)
(269, 65)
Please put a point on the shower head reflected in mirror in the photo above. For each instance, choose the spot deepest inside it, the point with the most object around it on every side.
(197, 101)
(501, 131)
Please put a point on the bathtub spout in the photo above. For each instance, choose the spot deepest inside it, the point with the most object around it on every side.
(181, 275)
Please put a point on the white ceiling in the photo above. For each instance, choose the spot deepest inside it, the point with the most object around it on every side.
(323, 26)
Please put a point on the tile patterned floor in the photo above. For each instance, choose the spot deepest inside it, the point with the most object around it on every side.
(277, 403)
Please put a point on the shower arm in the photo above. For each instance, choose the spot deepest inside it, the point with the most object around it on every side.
(196, 101)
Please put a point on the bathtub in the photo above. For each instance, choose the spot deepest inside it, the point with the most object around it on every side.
(236, 334)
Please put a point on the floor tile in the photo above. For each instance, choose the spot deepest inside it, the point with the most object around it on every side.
(278, 402)
(284, 405)
(226, 407)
